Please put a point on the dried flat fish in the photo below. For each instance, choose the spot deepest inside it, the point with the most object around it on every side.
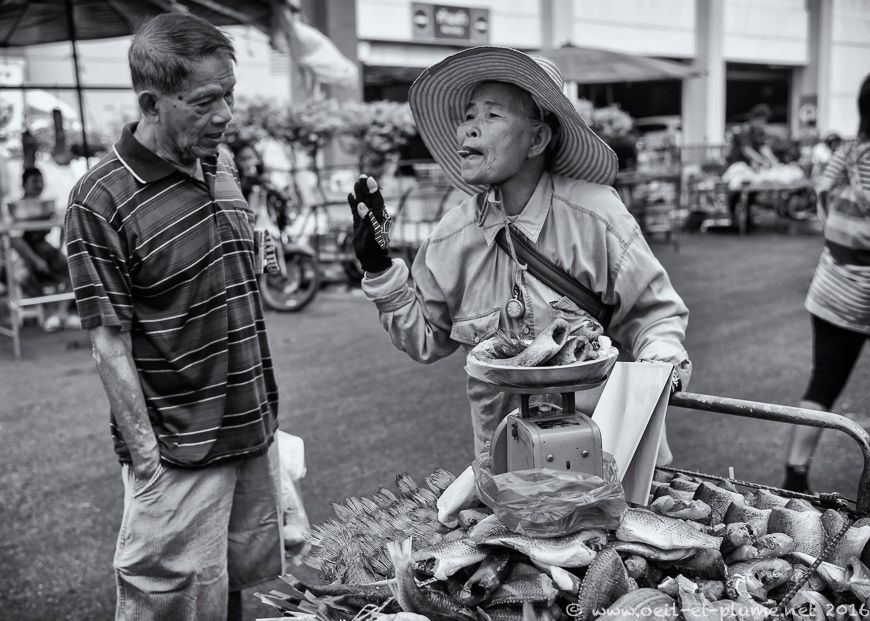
(446, 558)
(644, 526)
(605, 582)
(538, 588)
(575, 550)
(435, 605)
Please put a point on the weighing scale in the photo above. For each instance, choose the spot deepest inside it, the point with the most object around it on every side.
(545, 435)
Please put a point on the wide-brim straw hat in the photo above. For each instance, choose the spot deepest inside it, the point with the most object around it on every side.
(439, 96)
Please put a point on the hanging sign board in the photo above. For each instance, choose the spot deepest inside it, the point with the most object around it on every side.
(455, 24)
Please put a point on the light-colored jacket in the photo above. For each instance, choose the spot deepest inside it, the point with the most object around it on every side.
(461, 281)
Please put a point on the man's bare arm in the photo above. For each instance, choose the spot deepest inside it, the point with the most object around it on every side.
(113, 353)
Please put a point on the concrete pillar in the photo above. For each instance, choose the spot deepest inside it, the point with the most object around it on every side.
(557, 28)
(557, 22)
(704, 96)
(814, 80)
(337, 20)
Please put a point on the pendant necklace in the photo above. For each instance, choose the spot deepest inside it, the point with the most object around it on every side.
(514, 308)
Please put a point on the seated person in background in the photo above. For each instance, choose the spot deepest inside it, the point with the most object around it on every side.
(46, 264)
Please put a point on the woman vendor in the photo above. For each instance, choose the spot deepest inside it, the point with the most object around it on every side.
(499, 125)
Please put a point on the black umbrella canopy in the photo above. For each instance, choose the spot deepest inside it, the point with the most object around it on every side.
(30, 22)
(588, 65)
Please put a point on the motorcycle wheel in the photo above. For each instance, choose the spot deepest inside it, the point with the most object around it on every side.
(799, 206)
(296, 288)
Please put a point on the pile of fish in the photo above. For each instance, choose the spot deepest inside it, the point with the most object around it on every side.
(698, 551)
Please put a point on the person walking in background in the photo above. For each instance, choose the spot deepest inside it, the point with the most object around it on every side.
(839, 296)
(498, 123)
(161, 254)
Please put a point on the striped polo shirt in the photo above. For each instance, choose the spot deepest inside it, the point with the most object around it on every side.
(169, 259)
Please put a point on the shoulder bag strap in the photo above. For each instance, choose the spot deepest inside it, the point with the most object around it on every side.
(555, 277)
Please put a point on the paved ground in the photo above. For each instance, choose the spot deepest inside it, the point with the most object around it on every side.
(367, 412)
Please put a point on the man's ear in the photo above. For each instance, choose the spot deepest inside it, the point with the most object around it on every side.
(543, 136)
(148, 104)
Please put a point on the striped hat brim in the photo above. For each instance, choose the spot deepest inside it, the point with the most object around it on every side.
(439, 96)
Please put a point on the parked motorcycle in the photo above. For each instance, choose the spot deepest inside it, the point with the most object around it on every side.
(297, 281)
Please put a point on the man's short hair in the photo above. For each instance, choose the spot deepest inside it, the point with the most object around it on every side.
(30, 171)
(166, 48)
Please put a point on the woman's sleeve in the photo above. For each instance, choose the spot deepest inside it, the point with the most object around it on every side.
(414, 313)
(650, 319)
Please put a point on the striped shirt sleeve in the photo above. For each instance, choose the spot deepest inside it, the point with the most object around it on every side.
(97, 265)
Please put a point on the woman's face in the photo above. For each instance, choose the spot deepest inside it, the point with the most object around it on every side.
(496, 133)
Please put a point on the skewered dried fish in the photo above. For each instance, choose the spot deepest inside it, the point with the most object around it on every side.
(439, 480)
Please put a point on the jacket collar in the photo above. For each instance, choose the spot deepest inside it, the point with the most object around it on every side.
(531, 218)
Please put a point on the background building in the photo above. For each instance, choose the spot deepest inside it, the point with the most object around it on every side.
(805, 58)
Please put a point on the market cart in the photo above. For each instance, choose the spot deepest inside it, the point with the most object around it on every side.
(794, 415)
(769, 587)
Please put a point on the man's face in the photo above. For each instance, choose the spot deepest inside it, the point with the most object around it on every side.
(496, 133)
(193, 120)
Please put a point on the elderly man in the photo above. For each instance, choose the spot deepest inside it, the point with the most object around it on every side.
(496, 121)
(161, 256)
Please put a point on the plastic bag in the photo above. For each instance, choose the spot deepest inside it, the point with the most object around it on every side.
(291, 464)
(551, 503)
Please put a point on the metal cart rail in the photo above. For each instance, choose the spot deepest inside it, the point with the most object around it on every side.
(788, 414)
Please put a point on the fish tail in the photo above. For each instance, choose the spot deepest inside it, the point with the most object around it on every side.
(400, 552)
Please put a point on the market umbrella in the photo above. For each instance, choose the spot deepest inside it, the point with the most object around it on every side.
(31, 22)
(586, 65)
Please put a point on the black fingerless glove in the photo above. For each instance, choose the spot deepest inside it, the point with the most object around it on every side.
(371, 240)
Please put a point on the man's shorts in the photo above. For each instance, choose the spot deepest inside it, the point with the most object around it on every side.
(188, 536)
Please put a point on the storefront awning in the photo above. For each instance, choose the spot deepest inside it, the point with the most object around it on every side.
(586, 65)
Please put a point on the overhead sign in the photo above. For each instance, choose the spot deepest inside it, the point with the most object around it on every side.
(437, 22)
